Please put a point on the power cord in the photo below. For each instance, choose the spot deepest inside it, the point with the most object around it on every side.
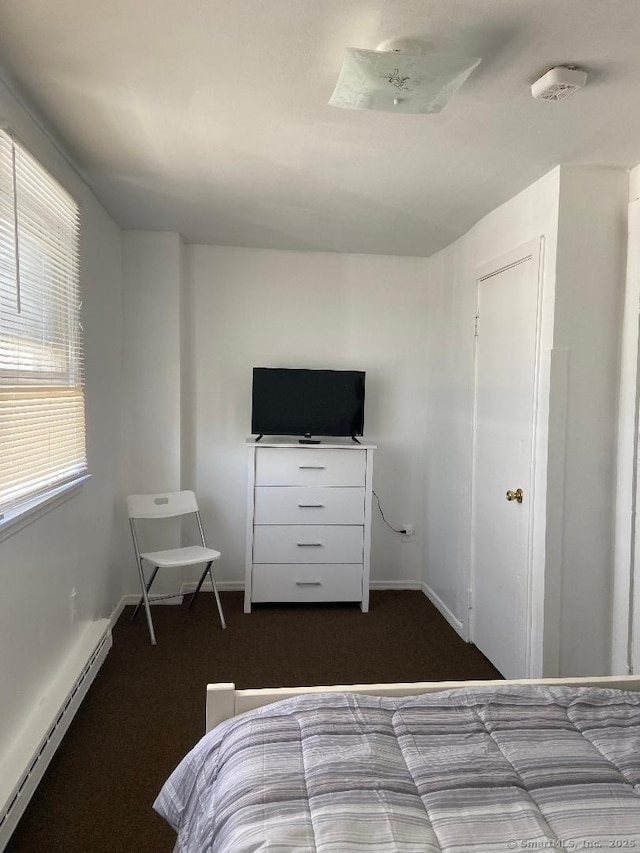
(390, 526)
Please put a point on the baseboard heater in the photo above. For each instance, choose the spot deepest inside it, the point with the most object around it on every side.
(18, 799)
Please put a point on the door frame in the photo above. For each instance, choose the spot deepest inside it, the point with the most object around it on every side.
(532, 251)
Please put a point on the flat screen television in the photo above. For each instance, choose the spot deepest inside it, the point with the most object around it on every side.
(292, 401)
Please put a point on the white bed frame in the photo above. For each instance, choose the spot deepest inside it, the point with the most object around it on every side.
(224, 701)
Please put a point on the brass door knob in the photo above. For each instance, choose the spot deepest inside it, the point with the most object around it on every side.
(515, 496)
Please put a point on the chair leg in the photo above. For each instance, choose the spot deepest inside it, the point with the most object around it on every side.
(148, 586)
(215, 589)
(146, 601)
(200, 582)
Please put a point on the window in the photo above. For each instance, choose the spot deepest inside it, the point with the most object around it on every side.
(42, 426)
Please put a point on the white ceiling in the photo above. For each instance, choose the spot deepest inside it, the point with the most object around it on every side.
(210, 117)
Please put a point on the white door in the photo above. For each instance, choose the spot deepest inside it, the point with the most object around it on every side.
(506, 357)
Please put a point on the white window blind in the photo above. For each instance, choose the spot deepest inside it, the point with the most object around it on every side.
(42, 425)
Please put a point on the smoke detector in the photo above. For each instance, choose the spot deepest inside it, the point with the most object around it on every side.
(559, 83)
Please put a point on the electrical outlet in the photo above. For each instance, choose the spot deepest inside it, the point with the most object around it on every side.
(408, 529)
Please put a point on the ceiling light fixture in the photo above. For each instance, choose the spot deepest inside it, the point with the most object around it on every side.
(399, 77)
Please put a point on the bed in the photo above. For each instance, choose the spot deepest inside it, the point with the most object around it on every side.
(467, 767)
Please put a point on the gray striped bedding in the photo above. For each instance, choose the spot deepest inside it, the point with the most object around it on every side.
(461, 771)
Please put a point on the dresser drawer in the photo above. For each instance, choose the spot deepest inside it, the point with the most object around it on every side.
(307, 543)
(309, 505)
(307, 583)
(315, 466)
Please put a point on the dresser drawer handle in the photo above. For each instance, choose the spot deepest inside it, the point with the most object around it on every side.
(308, 583)
(311, 506)
(312, 467)
(309, 544)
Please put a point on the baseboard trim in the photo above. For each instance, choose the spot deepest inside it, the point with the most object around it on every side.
(185, 589)
(24, 766)
(455, 623)
(223, 586)
(117, 611)
(238, 586)
(134, 598)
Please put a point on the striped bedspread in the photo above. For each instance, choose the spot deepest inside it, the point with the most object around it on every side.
(461, 771)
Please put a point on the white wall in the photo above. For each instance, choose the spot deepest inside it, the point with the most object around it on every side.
(152, 276)
(588, 319)
(580, 213)
(152, 265)
(246, 308)
(72, 546)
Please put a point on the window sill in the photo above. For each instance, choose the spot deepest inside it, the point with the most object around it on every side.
(18, 517)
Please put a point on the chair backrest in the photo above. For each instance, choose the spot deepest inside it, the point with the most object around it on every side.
(165, 505)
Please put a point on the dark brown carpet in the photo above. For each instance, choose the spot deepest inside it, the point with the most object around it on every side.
(145, 709)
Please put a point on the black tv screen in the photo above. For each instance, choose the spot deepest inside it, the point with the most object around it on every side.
(291, 401)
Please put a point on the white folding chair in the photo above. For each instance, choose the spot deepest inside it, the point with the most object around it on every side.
(169, 505)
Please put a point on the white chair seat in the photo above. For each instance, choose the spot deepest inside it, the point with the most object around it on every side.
(189, 556)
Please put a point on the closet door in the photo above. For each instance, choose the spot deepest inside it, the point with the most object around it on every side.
(505, 404)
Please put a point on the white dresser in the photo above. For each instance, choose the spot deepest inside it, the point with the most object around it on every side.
(308, 521)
